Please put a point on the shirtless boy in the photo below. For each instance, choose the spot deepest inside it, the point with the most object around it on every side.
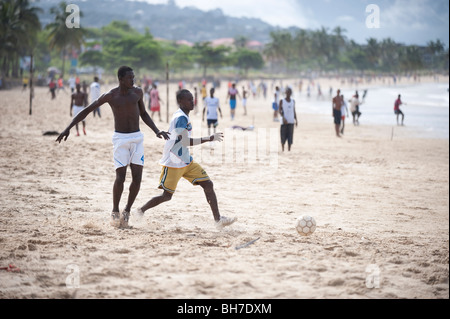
(336, 109)
(127, 105)
(78, 102)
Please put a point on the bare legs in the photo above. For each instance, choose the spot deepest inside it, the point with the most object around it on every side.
(337, 126)
(208, 188)
(84, 128)
(342, 126)
(403, 117)
(136, 174)
(159, 113)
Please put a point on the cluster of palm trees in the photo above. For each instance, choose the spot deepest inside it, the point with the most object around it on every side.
(19, 24)
(288, 51)
(20, 30)
(324, 50)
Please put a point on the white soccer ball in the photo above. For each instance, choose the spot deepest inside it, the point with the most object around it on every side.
(306, 225)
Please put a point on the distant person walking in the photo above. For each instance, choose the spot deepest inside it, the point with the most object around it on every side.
(232, 93)
(61, 84)
(276, 103)
(78, 102)
(344, 113)
(336, 111)
(94, 91)
(397, 110)
(72, 83)
(244, 99)
(155, 106)
(212, 108)
(203, 92)
(354, 108)
(52, 87)
(289, 118)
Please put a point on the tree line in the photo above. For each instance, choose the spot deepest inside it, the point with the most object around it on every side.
(117, 43)
(327, 50)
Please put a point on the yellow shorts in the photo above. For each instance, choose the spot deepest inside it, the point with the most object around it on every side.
(194, 173)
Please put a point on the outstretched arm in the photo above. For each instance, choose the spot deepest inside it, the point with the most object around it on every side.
(82, 115)
(197, 141)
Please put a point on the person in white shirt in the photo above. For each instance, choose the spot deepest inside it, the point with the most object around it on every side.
(288, 119)
(177, 162)
(344, 112)
(212, 108)
(72, 81)
(354, 108)
(94, 93)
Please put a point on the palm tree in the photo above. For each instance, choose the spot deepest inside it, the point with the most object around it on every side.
(373, 52)
(435, 49)
(209, 56)
(389, 55)
(411, 58)
(61, 37)
(303, 46)
(321, 47)
(281, 49)
(19, 24)
(339, 39)
(246, 59)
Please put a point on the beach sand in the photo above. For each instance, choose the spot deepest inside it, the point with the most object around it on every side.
(380, 201)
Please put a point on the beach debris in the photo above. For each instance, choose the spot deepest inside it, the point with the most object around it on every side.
(50, 133)
(11, 268)
(242, 128)
(247, 244)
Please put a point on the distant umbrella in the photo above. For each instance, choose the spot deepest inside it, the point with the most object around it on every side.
(53, 69)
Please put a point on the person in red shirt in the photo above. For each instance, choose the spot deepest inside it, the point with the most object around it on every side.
(52, 86)
(397, 110)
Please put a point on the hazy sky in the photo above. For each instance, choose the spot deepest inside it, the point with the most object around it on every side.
(405, 21)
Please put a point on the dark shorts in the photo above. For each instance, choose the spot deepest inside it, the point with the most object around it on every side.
(213, 122)
(337, 116)
(287, 133)
(357, 112)
(397, 112)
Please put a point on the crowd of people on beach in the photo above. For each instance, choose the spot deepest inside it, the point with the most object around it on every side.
(238, 93)
(128, 140)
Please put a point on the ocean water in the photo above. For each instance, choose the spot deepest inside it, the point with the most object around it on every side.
(426, 110)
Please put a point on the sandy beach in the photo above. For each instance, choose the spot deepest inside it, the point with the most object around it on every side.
(381, 206)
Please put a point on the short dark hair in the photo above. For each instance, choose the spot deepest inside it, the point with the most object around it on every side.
(182, 93)
(95, 78)
(123, 70)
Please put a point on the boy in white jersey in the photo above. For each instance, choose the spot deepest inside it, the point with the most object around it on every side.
(289, 118)
(178, 163)
(211, 107)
